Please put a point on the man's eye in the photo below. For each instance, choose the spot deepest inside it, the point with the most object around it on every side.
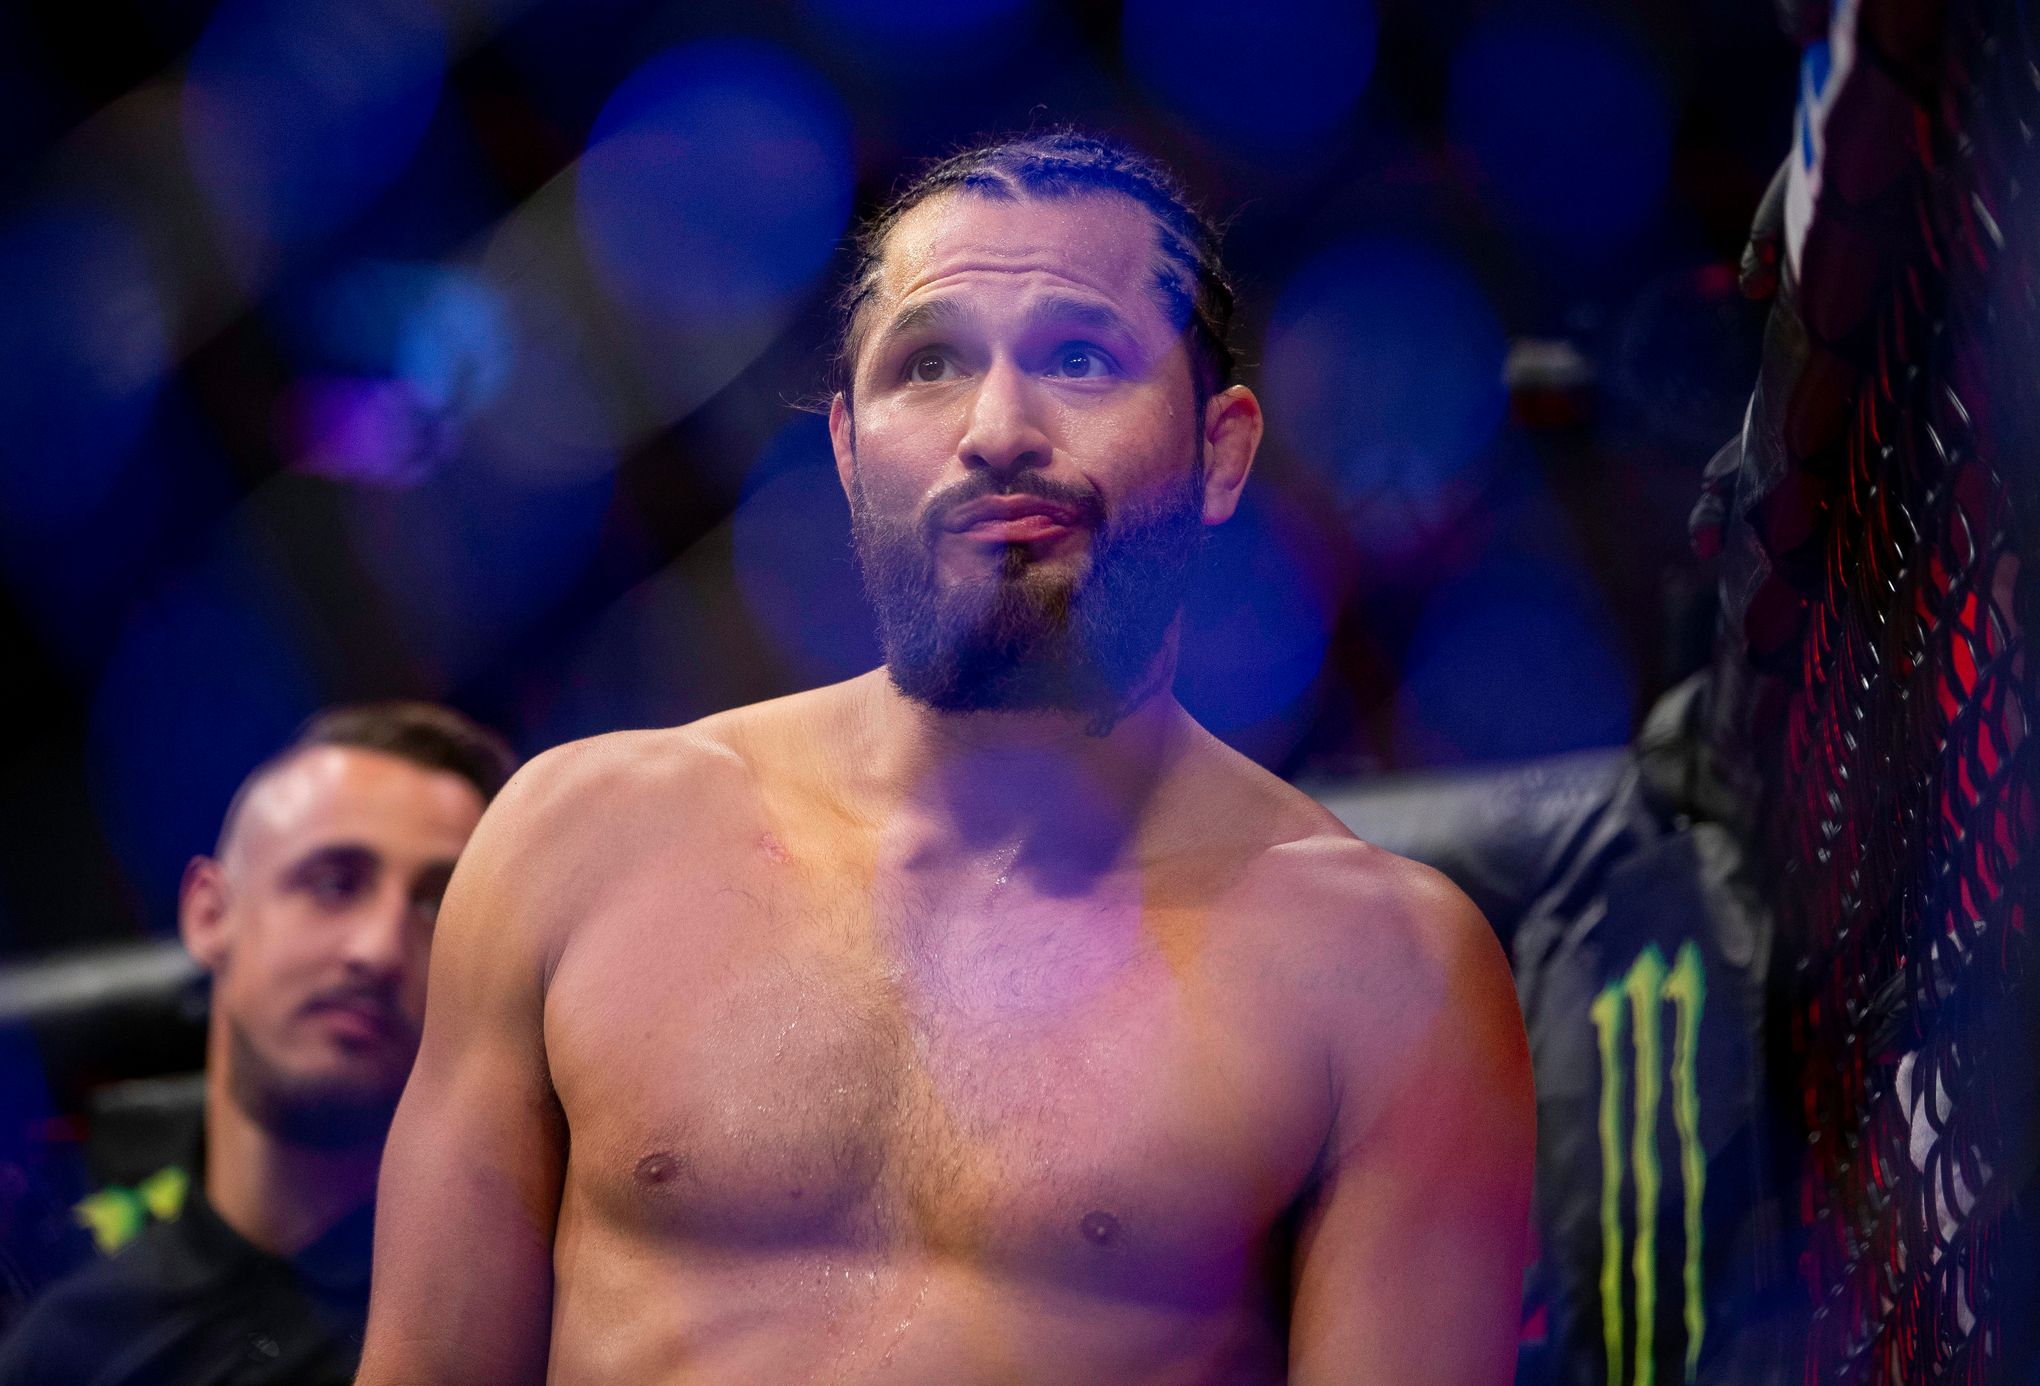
(336, 885)
(1081, 363)
(928, 367)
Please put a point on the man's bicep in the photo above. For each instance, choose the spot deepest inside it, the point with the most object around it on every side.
(1410, 1263)
(469, 1192)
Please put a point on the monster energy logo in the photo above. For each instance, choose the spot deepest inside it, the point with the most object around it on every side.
(1638, 998)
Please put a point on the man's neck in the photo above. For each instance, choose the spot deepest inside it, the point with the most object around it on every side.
(1043, 793)
(281, 1197)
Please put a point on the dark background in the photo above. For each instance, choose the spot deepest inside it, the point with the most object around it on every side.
(461, 351)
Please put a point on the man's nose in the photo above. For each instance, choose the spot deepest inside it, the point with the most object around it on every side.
(1004, 433)
(379, 937)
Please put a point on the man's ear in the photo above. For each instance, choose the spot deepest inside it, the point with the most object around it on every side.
(202, 912)
(842, 441)
(1232, 435)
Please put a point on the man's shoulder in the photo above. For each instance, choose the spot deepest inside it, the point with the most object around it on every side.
(621, 769)
(1327, 890)
(1390, 964)
(1310, 878)
(1327, 917)
(676, 769)
(1330, 875)
(591, 816)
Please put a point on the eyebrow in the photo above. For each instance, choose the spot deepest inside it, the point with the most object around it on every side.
(1058, 309)
(934, 312)
(349, 854)
(431, 876)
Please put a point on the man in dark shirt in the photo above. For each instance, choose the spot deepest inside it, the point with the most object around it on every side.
(314, 917)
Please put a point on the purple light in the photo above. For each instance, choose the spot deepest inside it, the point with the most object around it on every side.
(368, 430)
(420, 351)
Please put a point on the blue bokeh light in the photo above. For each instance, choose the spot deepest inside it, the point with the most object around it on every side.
(297, 113)
(422, 397)
(1259, 76)
(717, 181)
(441, 329)
(204, 682)
(1568, 125)
(1517, 658)
(1384, 371)
(84, 346)
(471, 520)
(793, 560)
(454, 347)
(1257, 620)
(407, 356)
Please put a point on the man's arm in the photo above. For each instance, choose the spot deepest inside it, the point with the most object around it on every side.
(1410, 1261)
(470, 1184)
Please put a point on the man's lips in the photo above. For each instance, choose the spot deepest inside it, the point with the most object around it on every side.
(356, 1019)
(1011, 519)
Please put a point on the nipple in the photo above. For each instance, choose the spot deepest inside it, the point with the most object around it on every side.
(658, 1168)
(1100, 1228)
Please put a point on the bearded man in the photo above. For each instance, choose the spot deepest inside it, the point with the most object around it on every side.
(982, 1018)
(314, 916)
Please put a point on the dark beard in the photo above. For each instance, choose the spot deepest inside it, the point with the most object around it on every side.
(1028, 639)
(315, 1115)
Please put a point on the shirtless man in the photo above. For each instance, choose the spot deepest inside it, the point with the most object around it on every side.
(982, 1019)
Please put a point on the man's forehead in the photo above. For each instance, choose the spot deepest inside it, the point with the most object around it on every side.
(323, 789)
(1105, 242)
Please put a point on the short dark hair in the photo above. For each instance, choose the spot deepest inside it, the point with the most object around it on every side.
(1191, 281)
(425, 734)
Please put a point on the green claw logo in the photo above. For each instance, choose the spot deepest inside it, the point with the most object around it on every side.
(1638, 999)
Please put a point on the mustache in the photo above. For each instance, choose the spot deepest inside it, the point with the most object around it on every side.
(1082, 501)
(379, 998)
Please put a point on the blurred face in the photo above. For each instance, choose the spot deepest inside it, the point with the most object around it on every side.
(316, 925)
(1028, 469)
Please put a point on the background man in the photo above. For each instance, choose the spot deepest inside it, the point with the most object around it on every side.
(982, 1018)
(314, 916)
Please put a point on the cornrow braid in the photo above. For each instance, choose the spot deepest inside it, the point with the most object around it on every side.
(1190, 281)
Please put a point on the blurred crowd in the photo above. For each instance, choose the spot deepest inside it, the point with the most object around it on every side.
(464, 351)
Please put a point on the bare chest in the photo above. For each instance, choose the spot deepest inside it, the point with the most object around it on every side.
(1062, 1096)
